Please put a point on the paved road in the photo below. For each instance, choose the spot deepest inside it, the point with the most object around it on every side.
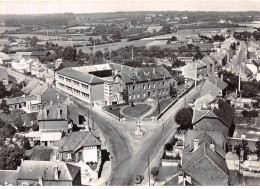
(239, 58)
(129, 158)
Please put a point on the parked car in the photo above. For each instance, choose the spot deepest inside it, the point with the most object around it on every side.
(191, 104)
(139, 179)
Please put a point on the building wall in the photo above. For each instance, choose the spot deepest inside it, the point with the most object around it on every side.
(207, 173)
(113, 93)
(53, 124)
(211, 124)
(90, 154)
(151, 89)
(79, 89)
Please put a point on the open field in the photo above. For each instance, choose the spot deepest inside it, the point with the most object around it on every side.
(114, 46)
(3, 29)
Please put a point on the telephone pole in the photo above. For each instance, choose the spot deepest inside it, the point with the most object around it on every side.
(239, 82)
(195, 74)
(148, 158)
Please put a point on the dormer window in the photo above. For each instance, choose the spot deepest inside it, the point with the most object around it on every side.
(133, 79)
(163, 75)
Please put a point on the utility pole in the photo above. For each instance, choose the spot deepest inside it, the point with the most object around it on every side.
(133, 53)
(195, 74)
(239, 82)
(149, 169)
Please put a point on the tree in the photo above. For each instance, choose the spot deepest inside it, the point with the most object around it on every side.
(26, 143)
(35, 127)
(244, 147)
(99, 54)
(6, 49)
(69, 53)
(4, 107)
(174, 38)
(11, 157)
(173, 91)
(184, 117)
(154, 171)
(3, 92)
(107, 55)
(19, 124)
(257, 146)
(80, 54)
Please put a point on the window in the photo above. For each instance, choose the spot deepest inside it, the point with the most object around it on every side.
(154, 93)
(220, 92)
(61, 78)
(149, 86)
(154, 85)
(134, 97)
(138, 96)
(144, 94)
(129, 97)
(84, 86)
(163, 83)
(133, 79)
(133, 87)
(68, 156)
(68, 80)
(143, 86)
(85, 95)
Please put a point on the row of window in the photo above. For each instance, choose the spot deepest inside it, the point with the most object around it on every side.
(153, 93)
(148, 86)
(74, 82)
(74, 90)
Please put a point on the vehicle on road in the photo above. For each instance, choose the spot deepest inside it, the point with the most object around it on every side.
(191, 104)
(139, 179)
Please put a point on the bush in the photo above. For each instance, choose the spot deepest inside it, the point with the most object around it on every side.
(35, 127)
(155, 171)
(252, 113)
(132, 104)
(168, 146)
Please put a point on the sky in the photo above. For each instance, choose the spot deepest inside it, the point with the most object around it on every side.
(83, 6)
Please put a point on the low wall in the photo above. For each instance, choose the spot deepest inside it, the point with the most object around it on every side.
(251, 174)
(168, 162)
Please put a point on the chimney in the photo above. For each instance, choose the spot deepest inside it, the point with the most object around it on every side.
(154, 70)
(221, 77)
(51, 102)
(55, 170)
(212, 105)
(196, 144)
(216, 82)
(59, 113)
(241, 154)
(243, 136)
(216, 105)
(180, 178)
(212, 145)
(40, 181)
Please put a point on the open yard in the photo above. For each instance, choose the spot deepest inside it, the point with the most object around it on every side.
(137, 111)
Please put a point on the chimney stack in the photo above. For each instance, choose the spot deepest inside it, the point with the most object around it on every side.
(221, 77)
(241, 154)
(196, 144)
(212, 145)
(40, 181)
(58, 113)
(55, 170)
(243, 136)
(216, 82)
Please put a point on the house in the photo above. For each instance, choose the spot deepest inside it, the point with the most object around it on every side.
(8, 177)
(43, 72)
(196, 70)
(232, 161)
(26, 103)
(4, 76)
(201, 102)
(84, 86)
(203, 160)
(143, 83)
(215, 86)
(39, 54)
(186, 59)
(29, 118)
(48, 173)
(113, 93)
(244, 103)
(217, 117)
(58, 116)
(20, 64)
(80, 146)
(50, 138)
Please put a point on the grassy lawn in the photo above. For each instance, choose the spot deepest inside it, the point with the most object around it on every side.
(115, 111)
(136, 111)
(163, 104)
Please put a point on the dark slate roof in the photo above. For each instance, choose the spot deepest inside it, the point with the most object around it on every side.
(75, 140)
(20, 99)
(28, 88)
(204, 151)
(49, 94)
(9, 177)
(83, 77)
(217, 136)
(144, 74)
(224, 112)
(40, 53)
(32, 170)
(220, 83)
(39, 153)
